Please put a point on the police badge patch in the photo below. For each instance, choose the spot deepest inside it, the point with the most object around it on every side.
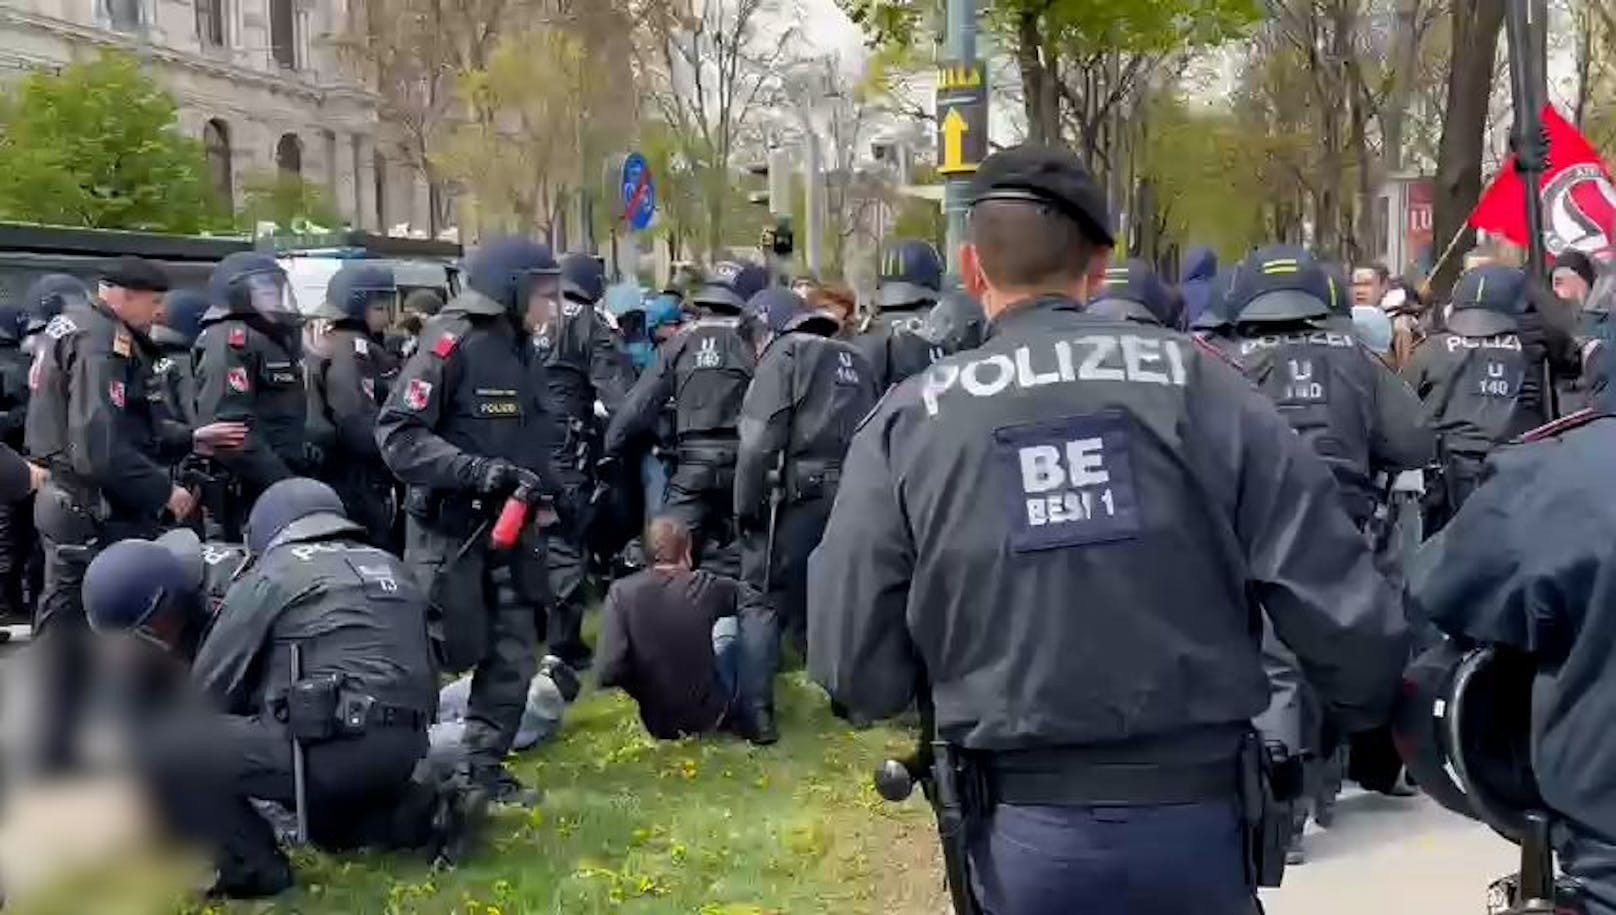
(1071, 481)
(417, 394)
(115, 393)
(237, 379)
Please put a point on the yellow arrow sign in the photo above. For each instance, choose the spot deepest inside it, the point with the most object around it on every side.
(954, 130)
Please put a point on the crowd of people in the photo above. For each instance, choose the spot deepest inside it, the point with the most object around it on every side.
(964, 498)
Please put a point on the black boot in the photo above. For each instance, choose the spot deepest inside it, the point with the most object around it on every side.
(757, 726)
(236, 880)
(500, 787)
(458, 824)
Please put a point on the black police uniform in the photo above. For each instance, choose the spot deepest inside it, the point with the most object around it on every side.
(1003, 524)
(248, 368)
(582, 365)
(704, 371)
(93, 422)
(465, 423)
(360, 623)
(807, 395)
(1470, 377)
(1360, 418)
(18, 542)
(1526, 564)
(911, 277)
(344, 369)
(175, 339)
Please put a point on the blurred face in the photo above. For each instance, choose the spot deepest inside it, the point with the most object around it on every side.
(544, 295)
(378, 316)
(1367, 289)
(1570, 286)
(137, 307)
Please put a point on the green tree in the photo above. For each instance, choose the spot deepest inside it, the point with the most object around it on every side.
(98, 145)
(286, 200)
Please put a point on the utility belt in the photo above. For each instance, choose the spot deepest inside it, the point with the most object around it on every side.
(448, 510)
(806, 480)
(318, 709)
(715, 452)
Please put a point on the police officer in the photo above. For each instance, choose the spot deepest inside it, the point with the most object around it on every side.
(955, 324)
(466, 427)
(1470, 377)
(359, 705)
(583, 367)
(1358, 416)
(92, 423)
(911, 282)
(704, 371)
(344, 376)
(175, 336)
(17, 538)
(1133, 292)
(248, 369)
(806, 396)
(1526, 564)
(46, 298)
(1001, 528)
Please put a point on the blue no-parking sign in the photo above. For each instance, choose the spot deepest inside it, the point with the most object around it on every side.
(639, 192)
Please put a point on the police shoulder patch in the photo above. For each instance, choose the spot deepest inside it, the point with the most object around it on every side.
(1069, 482)
(446, 344)
(115, 393)
(361, 346)
(122, 343)
(237, 337)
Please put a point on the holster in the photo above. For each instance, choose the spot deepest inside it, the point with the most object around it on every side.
(807, 480)
(1267, 820)
(960, 798)
(319, 709)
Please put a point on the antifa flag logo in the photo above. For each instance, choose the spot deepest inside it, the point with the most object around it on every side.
(1579, 208)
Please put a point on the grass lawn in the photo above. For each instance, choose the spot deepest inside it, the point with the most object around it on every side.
(631, 825)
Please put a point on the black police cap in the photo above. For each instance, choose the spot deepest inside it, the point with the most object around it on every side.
(138, 274)
(1047, 175)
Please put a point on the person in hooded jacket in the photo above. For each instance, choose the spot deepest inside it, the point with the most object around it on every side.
(587, 376)
(704, 370)
(364, 695)
(1197, 274)
(248, 368)
(466, 428)
(808, 393)
(343, 367)
(175, 335)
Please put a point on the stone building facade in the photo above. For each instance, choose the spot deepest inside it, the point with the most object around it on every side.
(258, 81)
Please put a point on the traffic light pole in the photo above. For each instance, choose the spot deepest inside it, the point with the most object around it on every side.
(960, 46)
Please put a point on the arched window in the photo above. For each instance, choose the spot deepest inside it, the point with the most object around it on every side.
(216, 144)
(283, 33)
(289, 155)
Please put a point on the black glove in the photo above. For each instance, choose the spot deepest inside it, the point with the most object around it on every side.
(1285, 773)
(496, 476)
(1373, 762)
(528, 480)
(606, 467)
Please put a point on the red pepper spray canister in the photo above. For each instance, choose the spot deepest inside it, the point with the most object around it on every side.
(512, 518)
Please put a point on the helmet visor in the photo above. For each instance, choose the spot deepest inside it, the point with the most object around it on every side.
(270, 296)
(543, 297)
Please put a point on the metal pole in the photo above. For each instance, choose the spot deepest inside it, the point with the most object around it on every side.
(814, 203)
(961, 46)
(1525, 18)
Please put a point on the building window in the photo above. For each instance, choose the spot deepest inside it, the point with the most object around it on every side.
(216, 145)
(379, 164)
(123, 15)
(283, 33)
(210, 23)
(289, 156)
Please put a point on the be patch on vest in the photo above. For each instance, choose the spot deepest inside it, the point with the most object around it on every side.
(1071, 481)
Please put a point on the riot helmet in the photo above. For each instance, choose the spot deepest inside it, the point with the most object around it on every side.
(1279, 284)
(782, 311)
(296, 508)
(516, 274)
(354, 291)
(957, 322)
(182, 313)
(1133, 292)
(730, 286)
(1487, 301)
(911, 275)
(48, 296)
(144, 589)
(583, 278)
(1214, 314)
(1463, 725)
(249, 283)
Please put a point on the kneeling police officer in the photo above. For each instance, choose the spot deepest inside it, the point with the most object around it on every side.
(1001, 530)
(321, 640)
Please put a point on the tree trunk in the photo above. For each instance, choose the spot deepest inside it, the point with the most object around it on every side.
(1038, 87)
(1458, 171)
(1405, 57)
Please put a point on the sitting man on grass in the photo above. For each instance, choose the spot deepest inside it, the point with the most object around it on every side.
(670, 638)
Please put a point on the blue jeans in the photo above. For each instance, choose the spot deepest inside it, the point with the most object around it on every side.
(1163, 860)
(727, 654)
(654, 481)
